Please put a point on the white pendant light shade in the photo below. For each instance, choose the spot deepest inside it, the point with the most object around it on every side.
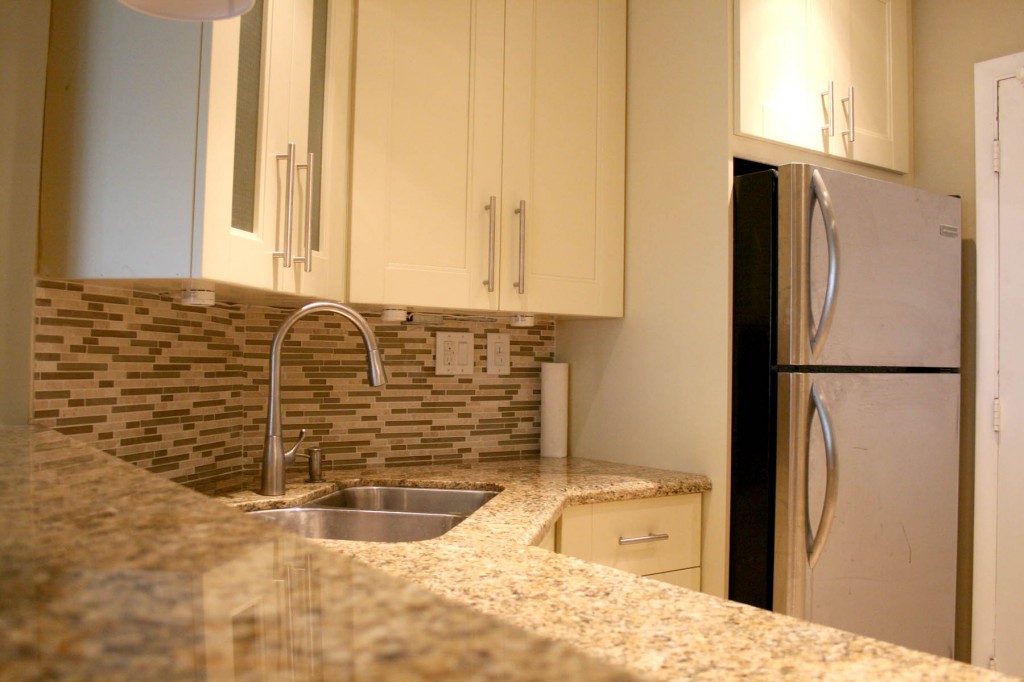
(191, 10)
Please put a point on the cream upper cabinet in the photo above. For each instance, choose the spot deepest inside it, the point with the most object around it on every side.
(426, 152)
(871, 85)
(488, 158)
(166, 144)
(778, 96)
(827, 75)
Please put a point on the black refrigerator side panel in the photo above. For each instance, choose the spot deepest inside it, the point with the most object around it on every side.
(752, 513)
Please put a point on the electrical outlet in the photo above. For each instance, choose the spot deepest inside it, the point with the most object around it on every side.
(499, 355)
(454, 353)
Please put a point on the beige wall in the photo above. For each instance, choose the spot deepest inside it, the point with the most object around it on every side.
(23, 42)
(652, 388)
(951, 36)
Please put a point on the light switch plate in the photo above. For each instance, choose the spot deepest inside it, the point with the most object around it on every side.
(454, 354)
(499, 356)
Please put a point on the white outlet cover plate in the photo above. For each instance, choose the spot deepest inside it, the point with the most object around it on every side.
(454, 354)
(499, 354)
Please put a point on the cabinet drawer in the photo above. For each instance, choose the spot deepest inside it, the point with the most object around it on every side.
(688, 578)
(653, 535)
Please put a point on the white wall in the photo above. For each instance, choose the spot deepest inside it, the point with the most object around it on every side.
(653, 388)
(24, 30)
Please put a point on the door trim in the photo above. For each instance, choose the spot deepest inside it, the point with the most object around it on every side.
(986, 78)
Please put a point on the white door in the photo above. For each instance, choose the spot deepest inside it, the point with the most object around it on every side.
(999, 536)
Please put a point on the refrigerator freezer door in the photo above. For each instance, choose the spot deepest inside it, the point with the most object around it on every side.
(896, 270)
(888, 565)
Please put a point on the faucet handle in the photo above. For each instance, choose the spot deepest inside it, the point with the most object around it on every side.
(316, 463)
(289, 455)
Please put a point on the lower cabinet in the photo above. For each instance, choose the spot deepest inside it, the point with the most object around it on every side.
(656, 537)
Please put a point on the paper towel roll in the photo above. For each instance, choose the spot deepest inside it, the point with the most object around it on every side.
(554, 409)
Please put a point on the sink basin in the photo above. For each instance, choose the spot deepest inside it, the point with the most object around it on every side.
(361, 524)
(418, 500)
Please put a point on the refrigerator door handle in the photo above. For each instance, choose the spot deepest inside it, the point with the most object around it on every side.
(820, 196)
(816, 540)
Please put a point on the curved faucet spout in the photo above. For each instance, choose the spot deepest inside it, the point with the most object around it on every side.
(275, 459)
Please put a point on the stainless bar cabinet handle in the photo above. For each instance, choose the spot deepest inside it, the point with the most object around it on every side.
(307, 231)
(521, 212)
(820, 196)
(852, 132)
(289, 205)
(816, 540)
(492, 210)
(656, 537)
(830, 94)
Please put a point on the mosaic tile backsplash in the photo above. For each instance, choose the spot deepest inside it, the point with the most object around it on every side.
(182, 390)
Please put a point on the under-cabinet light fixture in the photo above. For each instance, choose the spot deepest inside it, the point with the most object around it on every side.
(199, 297)
(191, 10)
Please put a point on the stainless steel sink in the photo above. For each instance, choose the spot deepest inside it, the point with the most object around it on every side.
(418, 500)
(360, 524)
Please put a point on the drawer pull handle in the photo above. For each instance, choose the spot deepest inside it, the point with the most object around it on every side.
(643, 538)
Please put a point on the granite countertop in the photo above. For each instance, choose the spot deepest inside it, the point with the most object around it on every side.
(112, 573)
(662, 631)
(118, 574)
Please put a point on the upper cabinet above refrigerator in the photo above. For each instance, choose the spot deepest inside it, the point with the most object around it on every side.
(831, 76)
(187, 150)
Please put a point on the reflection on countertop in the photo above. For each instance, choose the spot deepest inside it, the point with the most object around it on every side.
(117, 574)
(112, 573)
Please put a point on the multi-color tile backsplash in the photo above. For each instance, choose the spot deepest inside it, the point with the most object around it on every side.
(182, 390)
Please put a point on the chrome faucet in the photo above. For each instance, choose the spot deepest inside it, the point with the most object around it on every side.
(275, 457)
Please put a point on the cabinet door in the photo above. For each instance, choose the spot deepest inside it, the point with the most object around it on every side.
(564, 157)
(317, 93)
(803, 64)
(870, 71)
(783, 71)
(233, 248)
(427, 152)
(268, 89)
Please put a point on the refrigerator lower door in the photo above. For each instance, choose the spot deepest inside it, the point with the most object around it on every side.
(888, 538)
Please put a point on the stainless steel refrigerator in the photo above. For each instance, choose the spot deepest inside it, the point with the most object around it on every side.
(846, 385)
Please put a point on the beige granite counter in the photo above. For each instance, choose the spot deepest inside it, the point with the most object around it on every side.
(659, 630)
(112, 573)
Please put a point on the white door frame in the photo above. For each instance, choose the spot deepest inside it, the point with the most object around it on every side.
(986, 77)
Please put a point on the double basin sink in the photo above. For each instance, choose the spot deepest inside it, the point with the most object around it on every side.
(380, 513)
